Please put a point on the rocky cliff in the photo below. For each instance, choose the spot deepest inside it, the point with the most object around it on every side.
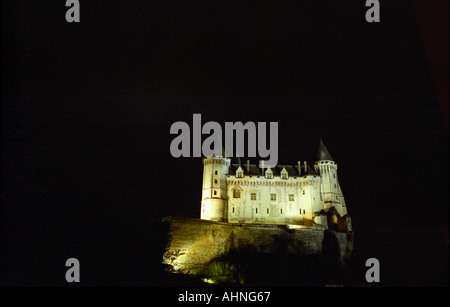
(194, 246)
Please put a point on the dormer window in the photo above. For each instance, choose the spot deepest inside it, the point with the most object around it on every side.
(239, 173)
(284, 174)
(269, 174)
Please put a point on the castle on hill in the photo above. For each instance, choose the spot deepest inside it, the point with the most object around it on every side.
(296, 195)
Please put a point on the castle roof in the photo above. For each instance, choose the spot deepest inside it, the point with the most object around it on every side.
(322, 152)
(310, 171)
(291, 169)
(255, 170)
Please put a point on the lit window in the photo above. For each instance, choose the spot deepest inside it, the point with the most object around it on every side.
(253, 196)
(239, 173)
(273, 196)
(284, 174)
(291, 197)
(236, 194)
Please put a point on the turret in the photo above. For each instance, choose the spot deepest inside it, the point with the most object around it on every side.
(214, 193)
(330, 189)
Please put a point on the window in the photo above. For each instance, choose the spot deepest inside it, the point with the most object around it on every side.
(303, 211)
(269, 174)
(284, 174)
(281, 211)
(335, 185)
(256, 210)
(215, 192)
(215, 172)
(300, 210)
(291, 197)
(236, 194)
(267, 210)
(303, 192)
(253, 196)
(273, 197)
(239, 172)
(215, 181)
(233, 210)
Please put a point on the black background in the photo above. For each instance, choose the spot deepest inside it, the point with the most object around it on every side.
(87, 107)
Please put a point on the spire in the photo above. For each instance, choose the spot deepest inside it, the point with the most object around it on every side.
(322, 153)
(223, 151)
(237, 159)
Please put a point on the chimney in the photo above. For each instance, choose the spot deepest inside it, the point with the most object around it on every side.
(248, 166)
(299, 168)
(305, 166)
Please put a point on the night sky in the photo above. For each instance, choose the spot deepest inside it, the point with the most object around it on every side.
(87, 108)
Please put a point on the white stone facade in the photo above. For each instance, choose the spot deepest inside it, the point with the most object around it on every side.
(294, 195)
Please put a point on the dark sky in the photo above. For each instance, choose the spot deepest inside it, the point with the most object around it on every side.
(87, 107)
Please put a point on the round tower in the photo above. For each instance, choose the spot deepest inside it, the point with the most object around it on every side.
(214, 192)
(327, 168)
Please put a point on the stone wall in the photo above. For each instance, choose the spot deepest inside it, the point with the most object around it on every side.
(194, 243)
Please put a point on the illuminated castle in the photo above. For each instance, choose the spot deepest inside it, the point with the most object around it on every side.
(295, 195)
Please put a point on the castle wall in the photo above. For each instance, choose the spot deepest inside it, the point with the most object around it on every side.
(193, 243)
(296, 198)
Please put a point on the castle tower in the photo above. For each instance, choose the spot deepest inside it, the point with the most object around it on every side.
(310, 188)
(330, 189)
(214, 193)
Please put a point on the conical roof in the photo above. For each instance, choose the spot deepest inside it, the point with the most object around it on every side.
(322, 152)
